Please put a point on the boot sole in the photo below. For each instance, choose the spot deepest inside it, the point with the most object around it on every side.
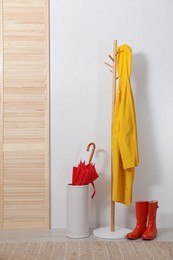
(148, 238)
(133, 238)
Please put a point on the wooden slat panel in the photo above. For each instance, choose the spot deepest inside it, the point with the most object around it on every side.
(24, 185)
(26, 114)
(1, 115)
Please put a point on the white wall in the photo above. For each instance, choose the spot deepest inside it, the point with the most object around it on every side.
(82, 34)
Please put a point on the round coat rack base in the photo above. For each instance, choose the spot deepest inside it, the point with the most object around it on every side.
(106, 233)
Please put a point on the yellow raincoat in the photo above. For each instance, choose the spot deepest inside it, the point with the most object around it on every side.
(124, 133)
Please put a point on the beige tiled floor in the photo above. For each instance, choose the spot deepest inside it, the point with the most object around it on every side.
(55, 235)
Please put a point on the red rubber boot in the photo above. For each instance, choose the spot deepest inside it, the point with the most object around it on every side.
(151, 231)
(141, 217)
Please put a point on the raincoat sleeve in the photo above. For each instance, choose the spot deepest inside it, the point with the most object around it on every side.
(127, 137)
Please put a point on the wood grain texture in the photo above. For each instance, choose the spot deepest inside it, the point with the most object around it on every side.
(112, 224)
(26, 114)
(1, 114)
(91, 250)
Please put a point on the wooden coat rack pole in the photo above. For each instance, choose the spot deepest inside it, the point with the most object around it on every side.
(113, 105)
(111, 232)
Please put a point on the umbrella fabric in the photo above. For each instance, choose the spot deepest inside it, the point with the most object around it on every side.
(84, 174)
(124, 132)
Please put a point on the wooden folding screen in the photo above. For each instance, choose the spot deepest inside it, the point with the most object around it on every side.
(24, 114)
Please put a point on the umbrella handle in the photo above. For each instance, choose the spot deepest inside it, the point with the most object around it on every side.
(92, 152)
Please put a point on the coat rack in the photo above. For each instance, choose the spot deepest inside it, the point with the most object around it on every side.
(112, 232)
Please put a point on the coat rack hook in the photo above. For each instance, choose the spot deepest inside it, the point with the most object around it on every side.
(112, 72)
(117, 52)
(108, 64)
(111, 57)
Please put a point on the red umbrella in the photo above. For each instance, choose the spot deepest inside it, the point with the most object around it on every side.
(84, 174)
